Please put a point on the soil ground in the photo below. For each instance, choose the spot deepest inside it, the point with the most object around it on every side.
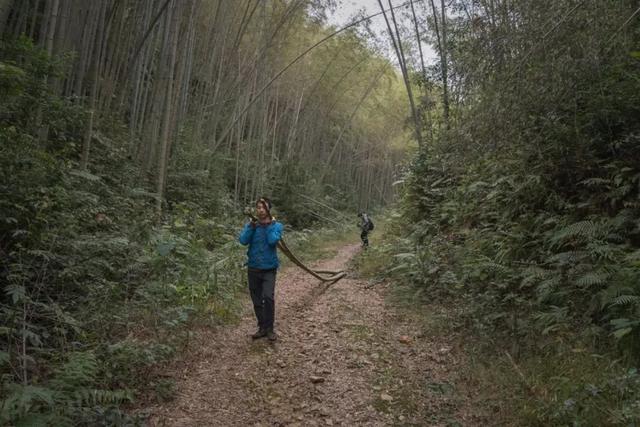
(344, 356)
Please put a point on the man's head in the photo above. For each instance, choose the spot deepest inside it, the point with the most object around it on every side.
(263, 208)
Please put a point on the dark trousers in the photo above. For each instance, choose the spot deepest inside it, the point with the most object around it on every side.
(262, 285)
(364, 236)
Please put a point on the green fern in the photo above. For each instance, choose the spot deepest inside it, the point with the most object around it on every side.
(547, 288)
(592, 278)
(609, 295)
(596, 182)
(532, 275)
(70, 395)
(581, 229)
(623, 327)
(599, 249)
(80, 369)
(633, 256)
(22, 400)
(626, 300)
(567, 258)
(94, 397)
(552, 320)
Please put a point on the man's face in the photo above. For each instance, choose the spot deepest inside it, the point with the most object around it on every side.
(261, 211)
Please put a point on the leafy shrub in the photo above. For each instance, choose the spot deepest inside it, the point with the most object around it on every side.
(66, 398)
(526, 208)
(96, 295)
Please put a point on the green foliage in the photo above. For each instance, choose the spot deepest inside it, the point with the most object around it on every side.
(540, 222)
(196, 185)
(67, 398)
(293, 183)
(95, 295)
(587, 400)
(526, 209)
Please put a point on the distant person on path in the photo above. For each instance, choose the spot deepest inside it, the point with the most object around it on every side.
(366, 225)
(262, 236)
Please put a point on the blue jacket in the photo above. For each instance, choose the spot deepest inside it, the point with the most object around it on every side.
(262, 241)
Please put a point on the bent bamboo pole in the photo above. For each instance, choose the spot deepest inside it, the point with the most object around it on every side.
(334, 276)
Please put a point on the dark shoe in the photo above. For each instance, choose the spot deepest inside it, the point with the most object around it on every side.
(261, 333)
(271, 335)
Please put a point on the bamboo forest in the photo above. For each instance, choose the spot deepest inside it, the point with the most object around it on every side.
(319, 212)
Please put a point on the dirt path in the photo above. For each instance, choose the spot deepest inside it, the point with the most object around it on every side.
(343, 358)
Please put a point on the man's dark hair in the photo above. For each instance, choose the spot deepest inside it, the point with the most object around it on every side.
(266, 202)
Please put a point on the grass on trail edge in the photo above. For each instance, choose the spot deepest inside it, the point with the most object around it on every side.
(563, 382)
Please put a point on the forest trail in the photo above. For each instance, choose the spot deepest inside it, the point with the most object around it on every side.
(343, 357)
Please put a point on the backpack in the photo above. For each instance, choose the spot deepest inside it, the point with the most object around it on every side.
(370, 226)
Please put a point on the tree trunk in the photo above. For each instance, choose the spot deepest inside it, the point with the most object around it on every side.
(442, 50)
(173, 28)
(403, 67)
(445, 72)
(88, 133)
(5, 9)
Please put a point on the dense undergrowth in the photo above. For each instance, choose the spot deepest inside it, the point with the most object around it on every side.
(95, 293)
(524, 217)
(538, 377)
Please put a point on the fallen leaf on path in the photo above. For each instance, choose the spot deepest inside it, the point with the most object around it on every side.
(386, 397)
(405, 339)
(315, 379)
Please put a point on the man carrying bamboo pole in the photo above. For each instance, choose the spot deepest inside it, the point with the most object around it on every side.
(262, 235)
